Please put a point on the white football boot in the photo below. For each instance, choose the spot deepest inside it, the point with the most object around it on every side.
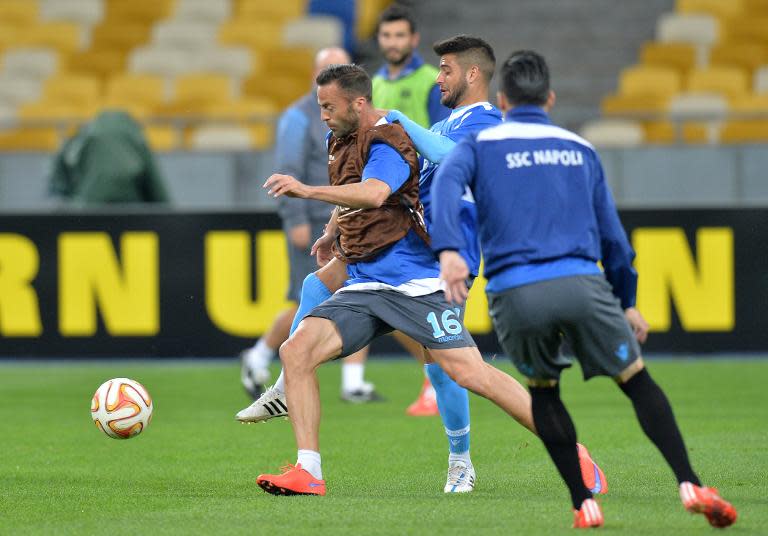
(461, 478)
(271, 404)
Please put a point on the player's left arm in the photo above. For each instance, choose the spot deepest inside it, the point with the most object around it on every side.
(431, 145)
(617, 253)
(453, 176)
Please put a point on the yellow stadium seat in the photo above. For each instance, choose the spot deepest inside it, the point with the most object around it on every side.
(19, 12)
(8, 35)
(270, 11)
(143, 12)
(649, 80)
(161, 138)
(140, 90)
(261, 34)
(756, 7)
(745, 131)
(29, 139)
(119, 37)
(73, 89)
(695, 132)
(752, 103)
(299, 61)
(634, 104)
(368, 12)
(729, 81)
(660, 132)
(680, 56)
(748, 28)
(747, 56)
(65, 37)
(281, 89)
(720, 8)
(248, 110)
(101, 62)
(204, 88)
(46, 110)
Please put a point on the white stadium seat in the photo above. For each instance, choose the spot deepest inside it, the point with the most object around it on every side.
(313, 31)
(34, 63)
(221, 138)
(87, 12)
(698, 106)
(15, 90)
(194, 36)
(761, 79)
(214, 11)
(698, 29)
(233, 61)
(162, 62)
(613, 133)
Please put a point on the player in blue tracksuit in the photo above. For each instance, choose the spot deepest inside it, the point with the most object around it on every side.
(546, 217)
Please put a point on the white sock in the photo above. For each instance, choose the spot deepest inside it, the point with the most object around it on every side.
(280, 382)
(352, 377)
(461, 457)
(310, 462)
(260, 356)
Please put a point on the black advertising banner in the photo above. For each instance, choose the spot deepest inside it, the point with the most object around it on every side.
(208, 284)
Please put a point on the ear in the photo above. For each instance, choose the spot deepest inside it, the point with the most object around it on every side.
(472, 74)
(502, 102)
(551, 99)
(415, 39)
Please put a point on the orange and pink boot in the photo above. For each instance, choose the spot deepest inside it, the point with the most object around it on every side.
(293, 480)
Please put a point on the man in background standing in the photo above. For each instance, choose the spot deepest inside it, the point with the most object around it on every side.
(300, 151)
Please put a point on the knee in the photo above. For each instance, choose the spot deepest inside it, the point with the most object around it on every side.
(292, 354)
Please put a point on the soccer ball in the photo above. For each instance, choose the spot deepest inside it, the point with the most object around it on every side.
(121, 408)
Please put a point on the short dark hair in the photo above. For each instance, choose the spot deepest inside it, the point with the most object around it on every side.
(352, 79)
(525, 78)
(397, 12)
(471, 51)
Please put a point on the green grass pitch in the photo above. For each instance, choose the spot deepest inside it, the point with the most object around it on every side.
(193, 470)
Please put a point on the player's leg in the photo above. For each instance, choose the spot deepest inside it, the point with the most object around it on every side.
(313, 343)
(339, 327)
(528, 322)
(656, 418)
(426, 403)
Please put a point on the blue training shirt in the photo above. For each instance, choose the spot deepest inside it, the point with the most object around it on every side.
(545, 210)
(408, 265)
(462, 123)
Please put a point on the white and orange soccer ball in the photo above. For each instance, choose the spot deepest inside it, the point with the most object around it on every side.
(121, 408)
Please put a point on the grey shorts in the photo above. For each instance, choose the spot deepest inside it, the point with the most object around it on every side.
(532, 321)
(362, 315)
(301, 263)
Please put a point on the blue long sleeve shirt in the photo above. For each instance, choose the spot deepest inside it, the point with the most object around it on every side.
(544, 208)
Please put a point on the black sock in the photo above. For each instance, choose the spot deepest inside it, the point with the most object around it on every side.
(556, 430)
(658, 422)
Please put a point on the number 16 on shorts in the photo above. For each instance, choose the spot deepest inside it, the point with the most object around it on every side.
(447, 327)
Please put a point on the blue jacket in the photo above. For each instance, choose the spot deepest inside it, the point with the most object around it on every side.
(544, 208)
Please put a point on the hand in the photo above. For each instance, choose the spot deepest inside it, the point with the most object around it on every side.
(300, 235)
(637, 323)
(322, 249)
(454, 271)
(278, 185)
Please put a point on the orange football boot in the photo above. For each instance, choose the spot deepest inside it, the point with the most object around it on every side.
(593, 476)
(699, 500)
(293, 480)
(589, 516)
(426, 404)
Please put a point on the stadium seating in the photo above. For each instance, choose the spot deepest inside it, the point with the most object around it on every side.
(704, 78)
(170, 63)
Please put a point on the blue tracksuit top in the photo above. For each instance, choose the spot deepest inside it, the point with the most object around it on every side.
(544, 208)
